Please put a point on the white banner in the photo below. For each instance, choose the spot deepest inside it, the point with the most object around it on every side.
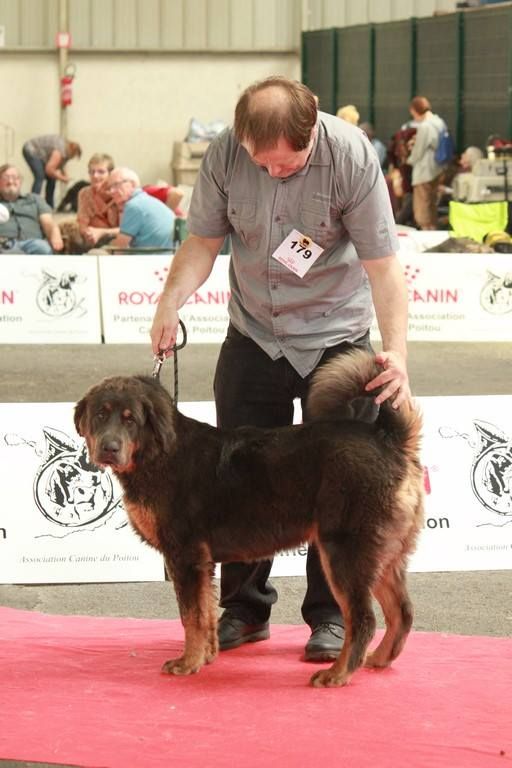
(458, 297)
(130, 290)
(452, 297)
(467, 455)
(54, 299)
(417, 240)
(49, 300)
(467, 460)
(61, 519)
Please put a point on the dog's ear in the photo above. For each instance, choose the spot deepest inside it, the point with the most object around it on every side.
(160, 418)
(80, 416)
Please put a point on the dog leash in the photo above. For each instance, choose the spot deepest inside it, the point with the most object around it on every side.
(159, 360)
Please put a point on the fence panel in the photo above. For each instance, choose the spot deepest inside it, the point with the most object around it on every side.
(438, 67)
(319, 66)
(394, 75)
(486, 61)
(355, 68)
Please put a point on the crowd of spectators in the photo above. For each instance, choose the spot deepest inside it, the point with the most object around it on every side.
(419, 186)
(111, 210)
(115, 211)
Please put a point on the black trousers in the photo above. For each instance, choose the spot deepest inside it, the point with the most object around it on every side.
(251, 389)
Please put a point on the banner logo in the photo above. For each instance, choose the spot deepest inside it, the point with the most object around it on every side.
(491, 473)
(71, 493)
(56, 296)
(496, 295)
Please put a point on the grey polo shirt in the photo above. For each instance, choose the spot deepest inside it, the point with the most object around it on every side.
(339, 199)
(24, 223)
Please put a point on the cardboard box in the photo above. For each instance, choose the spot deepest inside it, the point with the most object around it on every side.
(186, 159)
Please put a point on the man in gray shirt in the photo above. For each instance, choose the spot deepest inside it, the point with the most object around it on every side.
(313, 244)
(31, 227)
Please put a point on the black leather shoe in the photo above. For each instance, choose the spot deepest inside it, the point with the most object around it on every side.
(325, 642)
(233, 632)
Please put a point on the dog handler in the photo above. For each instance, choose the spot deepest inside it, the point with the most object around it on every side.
(313, 244)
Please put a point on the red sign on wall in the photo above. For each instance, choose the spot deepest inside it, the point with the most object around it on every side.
(63, 40)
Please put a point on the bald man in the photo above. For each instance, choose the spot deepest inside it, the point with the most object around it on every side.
(145, 221)
(288, 174)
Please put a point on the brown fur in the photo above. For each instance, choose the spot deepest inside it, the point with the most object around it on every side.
(202, 495)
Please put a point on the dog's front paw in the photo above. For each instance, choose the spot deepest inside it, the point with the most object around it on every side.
(329, 678)
(181, 666)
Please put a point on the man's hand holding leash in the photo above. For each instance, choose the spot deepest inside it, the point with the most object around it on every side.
(191, 267)
(164, 330)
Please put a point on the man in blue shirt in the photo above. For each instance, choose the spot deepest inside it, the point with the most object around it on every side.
(145, 221)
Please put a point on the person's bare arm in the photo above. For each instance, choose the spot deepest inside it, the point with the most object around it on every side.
(93, 234)
(52, 167)
(390, 299)
(51, 231)
(121, 241)
(174, 198)
(190, 267)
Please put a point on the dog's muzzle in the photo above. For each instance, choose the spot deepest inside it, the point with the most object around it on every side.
(109, 451)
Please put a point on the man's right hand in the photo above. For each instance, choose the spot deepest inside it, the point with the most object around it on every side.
(164, 330)
(191, 266)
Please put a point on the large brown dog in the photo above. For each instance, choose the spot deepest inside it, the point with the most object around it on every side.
(202, 495)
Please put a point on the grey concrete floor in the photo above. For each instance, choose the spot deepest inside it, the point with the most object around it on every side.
(61, 373)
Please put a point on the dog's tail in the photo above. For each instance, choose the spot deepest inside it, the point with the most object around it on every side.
(343, 379)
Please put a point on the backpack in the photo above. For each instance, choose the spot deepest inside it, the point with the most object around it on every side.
(445, 149)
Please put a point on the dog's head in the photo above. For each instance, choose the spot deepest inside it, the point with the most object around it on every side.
(123, 418)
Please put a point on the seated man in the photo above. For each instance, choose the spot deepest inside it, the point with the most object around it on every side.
(30, 227)
(145, 221)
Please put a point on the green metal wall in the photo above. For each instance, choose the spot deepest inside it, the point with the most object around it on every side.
(461, 61)
(319, 69)
(354, 84)
(487, 81)
(394, 74)
(439, 67)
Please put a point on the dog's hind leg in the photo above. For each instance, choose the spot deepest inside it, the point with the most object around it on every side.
(391, 592)
(212, 645)
(351, 590)
(193, 584)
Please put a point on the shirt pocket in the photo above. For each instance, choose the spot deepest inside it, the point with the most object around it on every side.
(242, 217)
(320, 224)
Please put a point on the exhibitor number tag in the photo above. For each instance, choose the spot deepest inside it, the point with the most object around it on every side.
(297, 252)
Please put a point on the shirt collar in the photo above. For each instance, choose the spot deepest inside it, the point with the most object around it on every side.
(319, 154)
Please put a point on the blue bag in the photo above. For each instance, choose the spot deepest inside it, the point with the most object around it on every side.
(445, 149)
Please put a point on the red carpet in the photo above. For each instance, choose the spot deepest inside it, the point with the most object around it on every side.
(87, 691)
